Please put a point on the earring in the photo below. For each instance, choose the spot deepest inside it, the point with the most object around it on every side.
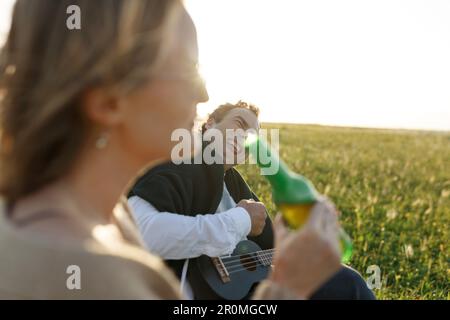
(102, 141)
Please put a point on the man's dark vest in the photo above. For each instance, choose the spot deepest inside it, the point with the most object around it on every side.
(192, 189)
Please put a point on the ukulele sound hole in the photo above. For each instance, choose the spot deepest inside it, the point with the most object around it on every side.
(248, 262)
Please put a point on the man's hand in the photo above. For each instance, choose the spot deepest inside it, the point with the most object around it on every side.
(258, 214)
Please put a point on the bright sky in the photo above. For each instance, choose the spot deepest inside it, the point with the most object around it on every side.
(5, 12)
(377, 63)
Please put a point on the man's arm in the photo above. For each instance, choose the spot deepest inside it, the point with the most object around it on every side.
(174, 236)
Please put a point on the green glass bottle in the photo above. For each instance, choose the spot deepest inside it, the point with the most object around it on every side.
(293, 194)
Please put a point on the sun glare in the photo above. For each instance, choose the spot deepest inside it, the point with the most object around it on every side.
(357, 63)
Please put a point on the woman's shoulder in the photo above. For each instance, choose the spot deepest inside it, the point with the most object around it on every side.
(136, 273)
(35, 268)
(94, 271)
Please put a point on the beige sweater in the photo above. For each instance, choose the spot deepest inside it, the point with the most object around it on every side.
(33, 266)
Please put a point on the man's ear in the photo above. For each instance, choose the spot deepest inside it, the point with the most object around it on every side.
(102, 107)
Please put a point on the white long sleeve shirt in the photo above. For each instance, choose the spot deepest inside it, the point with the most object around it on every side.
(176, 236)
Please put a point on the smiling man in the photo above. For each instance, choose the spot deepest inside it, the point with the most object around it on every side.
(188, 210)
(204, 209)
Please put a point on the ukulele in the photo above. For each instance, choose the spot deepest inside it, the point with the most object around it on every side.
(230, 277)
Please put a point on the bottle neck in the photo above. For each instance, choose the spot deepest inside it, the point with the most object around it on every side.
(266, 158)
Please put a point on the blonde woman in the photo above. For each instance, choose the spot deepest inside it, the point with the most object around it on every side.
(82, 113)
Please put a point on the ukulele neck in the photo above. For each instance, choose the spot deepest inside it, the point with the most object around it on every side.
(226, 265)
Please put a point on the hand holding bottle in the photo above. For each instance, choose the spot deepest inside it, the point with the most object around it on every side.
(306, 258)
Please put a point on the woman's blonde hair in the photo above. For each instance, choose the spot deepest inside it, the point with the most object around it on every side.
(45, 67)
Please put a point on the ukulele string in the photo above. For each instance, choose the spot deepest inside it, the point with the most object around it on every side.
(246, 266)
(237, 259)
(264, 261)
(255, 264)
(262, 257)
(244, 261)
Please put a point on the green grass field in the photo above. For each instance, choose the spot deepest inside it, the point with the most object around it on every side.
(393, 189)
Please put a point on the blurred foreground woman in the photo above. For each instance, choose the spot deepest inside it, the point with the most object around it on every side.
(82, 113)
